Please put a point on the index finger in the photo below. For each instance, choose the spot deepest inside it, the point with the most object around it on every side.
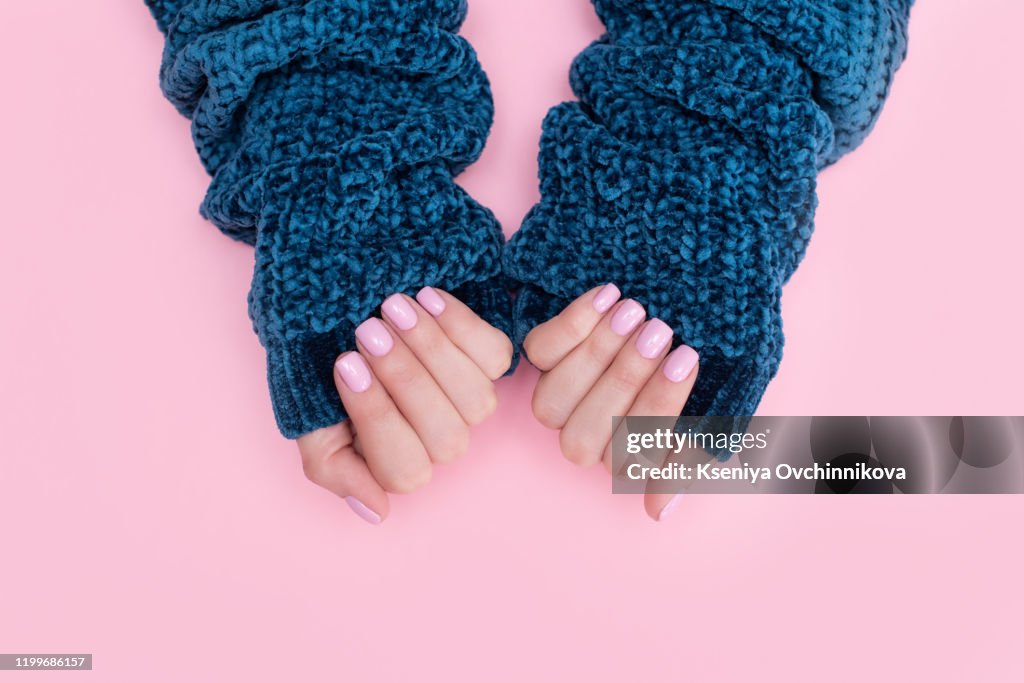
(551, 341)
(486, 345)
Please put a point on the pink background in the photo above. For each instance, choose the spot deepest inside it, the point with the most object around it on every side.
(151, 514)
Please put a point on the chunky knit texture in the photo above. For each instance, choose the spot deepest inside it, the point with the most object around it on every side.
(686, 171)
(332, 130)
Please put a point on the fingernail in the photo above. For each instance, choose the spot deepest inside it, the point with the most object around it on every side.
(628, 316)
(608, 295)
(354, 372)
(364, 512)
(399, 312)
(375, 337)
(653, 339)
(680, 363)
(672, 504)
(431, 301)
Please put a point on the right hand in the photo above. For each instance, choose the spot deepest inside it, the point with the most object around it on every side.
(416, 383)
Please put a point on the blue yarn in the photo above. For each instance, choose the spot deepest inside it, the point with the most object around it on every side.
(333, 130)
(686, 172)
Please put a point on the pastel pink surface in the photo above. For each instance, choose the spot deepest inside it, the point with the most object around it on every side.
(150, 514)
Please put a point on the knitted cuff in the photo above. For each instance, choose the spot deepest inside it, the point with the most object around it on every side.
(686, 172)
(333, 130)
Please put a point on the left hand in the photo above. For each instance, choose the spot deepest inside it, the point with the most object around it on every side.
(600, 358)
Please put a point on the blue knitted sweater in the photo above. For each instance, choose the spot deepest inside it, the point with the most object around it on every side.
(333, 130)
(686, 171)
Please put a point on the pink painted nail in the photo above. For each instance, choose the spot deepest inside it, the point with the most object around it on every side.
(431, 301)
(670, 506)
(354, 372)
(375, 337)
(398, 311)
(364, 512)
(629, 315)
(608, 295)
(680, 363)
(653, 339)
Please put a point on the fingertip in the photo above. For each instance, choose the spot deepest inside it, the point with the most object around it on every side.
(654, 339)
(659, 506)
(373, 337)
(397, 310)
(680, 364)
(353, 372)
(606, 297)
(431, 301)
(671, 505)
(627, 317)
(362, 511)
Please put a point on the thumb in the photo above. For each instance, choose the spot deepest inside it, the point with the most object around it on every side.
(329, 459)
(660, 505)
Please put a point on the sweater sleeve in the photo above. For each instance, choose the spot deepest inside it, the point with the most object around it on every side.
(332, 130)
(686, 171)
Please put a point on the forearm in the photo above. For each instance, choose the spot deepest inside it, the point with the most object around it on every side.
(686, 172)
(332, 130)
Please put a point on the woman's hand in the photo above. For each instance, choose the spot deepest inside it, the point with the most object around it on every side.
(417, 382)
(599, 359)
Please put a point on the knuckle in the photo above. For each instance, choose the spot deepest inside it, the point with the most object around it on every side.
(482, 407)
(497, 368)
(430, 341)
(665, 404)
(536, 354)
(408, 479)
(528, 345)
(459, 328)
(627, 377)
(546, 412)
(600, 348)
(503, 359)
(313, 469)
(576, 328)
(402, 373)
(454, 444)
(576, 448)
(369, 412)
